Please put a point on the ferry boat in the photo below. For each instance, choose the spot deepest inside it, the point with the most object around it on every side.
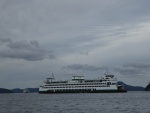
(78, 84)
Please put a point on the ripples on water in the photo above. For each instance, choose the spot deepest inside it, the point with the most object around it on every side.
(131, 102)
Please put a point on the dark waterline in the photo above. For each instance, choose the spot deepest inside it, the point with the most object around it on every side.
(130, 102)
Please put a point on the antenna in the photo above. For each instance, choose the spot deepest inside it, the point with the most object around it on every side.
(53, 76)
(106, 73)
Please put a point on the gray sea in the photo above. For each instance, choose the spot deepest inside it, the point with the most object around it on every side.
(130, 102)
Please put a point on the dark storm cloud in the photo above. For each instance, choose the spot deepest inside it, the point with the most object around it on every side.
(134, 69)
(23, 49)
(22, 45)
(130, 71)
(84, 67)
(5, 40)
(52, 56)
(35, 43)
(138, 65)
(84, 53)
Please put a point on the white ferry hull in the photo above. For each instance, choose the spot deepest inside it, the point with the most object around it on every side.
(82, 91)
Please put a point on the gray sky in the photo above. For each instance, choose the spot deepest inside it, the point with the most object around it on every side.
(73, 37)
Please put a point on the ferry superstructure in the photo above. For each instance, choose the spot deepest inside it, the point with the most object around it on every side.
(78, 84)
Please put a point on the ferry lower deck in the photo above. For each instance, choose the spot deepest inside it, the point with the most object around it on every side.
(82, 91)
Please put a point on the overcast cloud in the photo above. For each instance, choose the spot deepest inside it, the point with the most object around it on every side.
(84, 67)
(73, 37)
(30, 51)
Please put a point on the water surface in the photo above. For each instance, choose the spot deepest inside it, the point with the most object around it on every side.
(130, 102)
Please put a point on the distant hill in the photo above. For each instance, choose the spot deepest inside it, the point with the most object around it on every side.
(31, 90)
(147, 87)
(3, 90)
(17, 90)
(131, 88)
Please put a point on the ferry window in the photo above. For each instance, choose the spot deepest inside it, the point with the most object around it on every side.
(113, 83)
